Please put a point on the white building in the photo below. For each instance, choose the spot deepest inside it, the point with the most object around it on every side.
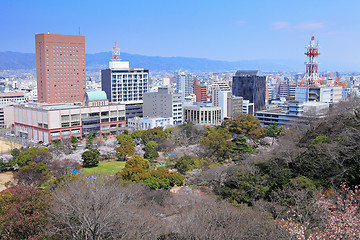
(216, 87)
(319, 94)
(184, 84)
(203, 114)
(146, 123)
(248, 107)
(125, 85)
(297, 112)
(57, 121)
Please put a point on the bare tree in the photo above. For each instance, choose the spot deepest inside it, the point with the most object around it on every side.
(204, 217)
(101, 208)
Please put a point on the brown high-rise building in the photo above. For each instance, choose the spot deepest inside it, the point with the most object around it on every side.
(60, 67)
(200, 91)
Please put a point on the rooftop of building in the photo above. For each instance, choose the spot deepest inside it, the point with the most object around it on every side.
(12, 94)
(51, 107)
(96, 95)
(248, 73)
(155, 118)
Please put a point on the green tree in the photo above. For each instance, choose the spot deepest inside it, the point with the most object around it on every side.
(74, 141)
(186, 163)
(91, 158)
(273, 130)
(4, 166)
(15, 152)
(241, 145)
(57, 144)
(217, 142)
(151, 145)
(33, 174)
(23, 213)
(137, 161)
(124, 137)
(89, 140)
(246, 124)
(153, 134)
(151, 154)
(26, 156)
(136, 134)
(125, 150)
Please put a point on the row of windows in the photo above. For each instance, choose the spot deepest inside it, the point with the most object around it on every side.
(64, 50)
(64, 46)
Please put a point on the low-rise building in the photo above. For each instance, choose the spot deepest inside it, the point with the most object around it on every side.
(202, 114)
(12, 97)
(146, 123)
(296, 112)
(58, 121)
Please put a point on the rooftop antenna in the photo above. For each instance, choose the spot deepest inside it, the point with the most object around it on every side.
(79, 31)
(311, 78)
(116, 53)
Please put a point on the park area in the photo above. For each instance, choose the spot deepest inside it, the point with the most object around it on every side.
(104, 168)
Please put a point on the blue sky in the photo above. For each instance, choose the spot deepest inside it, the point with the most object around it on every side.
(222, 30)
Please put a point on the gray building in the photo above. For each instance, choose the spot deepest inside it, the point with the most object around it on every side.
(163, 103)
(250, 85)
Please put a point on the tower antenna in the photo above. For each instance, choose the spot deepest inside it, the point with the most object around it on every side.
(311, 78)
(116, 53)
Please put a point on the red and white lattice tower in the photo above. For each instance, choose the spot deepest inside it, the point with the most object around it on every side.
(311, 78)
(116, 53)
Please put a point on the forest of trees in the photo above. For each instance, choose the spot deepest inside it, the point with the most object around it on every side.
(239, 181)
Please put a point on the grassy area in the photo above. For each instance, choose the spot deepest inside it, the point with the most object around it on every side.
(104, 168)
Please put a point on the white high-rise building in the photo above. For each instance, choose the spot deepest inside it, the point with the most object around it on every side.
(216, 87)
(184, 84)
(125, 85)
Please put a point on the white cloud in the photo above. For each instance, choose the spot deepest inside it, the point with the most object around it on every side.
(310, 25)
(280, 25)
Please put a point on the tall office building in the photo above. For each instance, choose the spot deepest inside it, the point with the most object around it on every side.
(200, 91)
(184, 84)
(60, 68)
(216, 87)
(251, 86)
(125, 85)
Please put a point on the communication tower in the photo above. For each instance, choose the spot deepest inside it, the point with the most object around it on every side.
(311, 78)
(116, 53)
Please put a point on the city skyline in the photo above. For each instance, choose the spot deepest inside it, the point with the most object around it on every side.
(228, 30)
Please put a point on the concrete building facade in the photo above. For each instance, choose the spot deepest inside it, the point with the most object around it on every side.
(47, 123)
(146, 123)
(184, 84)
(164, 103)
(216, 87)
(200, 91)
(204, 115)
(125, 85)
(60, 68)
(12, 97)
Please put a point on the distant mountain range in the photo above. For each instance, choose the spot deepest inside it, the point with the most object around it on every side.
(98, 61)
